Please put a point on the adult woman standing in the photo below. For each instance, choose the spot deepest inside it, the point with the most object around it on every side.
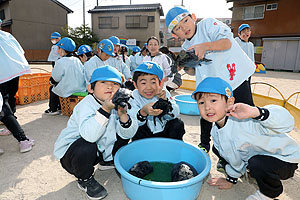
(156, 56)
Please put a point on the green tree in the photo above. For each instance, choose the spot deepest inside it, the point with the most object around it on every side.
(81, 35)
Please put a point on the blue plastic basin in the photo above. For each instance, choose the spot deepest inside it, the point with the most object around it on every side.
(161, 150)
(187, 105)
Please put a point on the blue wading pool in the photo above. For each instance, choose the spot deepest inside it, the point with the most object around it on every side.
(187, 105)
(161, 150)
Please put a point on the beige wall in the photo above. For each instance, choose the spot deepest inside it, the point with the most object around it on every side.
(34, 21)
(140, 34)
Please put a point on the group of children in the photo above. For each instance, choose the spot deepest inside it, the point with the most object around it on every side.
(246, 139)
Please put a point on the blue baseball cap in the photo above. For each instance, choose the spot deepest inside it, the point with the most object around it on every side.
(174, 16)
(214, 85)
(243, 26)
(55, 35)
(106, 73)
(115, 40)
(126, 47)
(151, 68)
(107, 47)
(66, 44)
(83, 49)
(136, 49)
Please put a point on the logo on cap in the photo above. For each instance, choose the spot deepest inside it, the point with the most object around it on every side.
(228, 92)
(102, 45)
(109, 48)
(149, 65)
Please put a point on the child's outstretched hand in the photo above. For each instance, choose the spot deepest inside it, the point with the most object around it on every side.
(200, 49)
(148, 110)
(160, 92)
(242, 111)
(221, 183)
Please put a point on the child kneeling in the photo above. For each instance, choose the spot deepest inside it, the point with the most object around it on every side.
(95, 132)
(248, 137)
(148, 82)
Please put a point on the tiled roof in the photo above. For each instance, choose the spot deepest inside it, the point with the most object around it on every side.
(134, 7)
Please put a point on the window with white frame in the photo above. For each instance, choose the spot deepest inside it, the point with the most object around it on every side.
(272, 6)
(254, 12)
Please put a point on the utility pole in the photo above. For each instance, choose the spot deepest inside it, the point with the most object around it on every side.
(130, 2)
(97, 3)
(181, 2)
(83, 17)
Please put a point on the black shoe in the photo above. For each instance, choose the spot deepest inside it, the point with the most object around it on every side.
(204, 147)
(221, 166)
(50, 112)
(106, 165)
(92, 188)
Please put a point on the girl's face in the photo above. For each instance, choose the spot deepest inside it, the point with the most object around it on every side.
(245, 34)
(153, 47)
(61, 52)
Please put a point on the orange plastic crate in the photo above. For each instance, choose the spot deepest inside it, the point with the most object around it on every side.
(33, 87)
(67, 104)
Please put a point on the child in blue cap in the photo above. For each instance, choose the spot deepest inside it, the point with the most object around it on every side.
(54, 55)
(104, 52)
(244, 33)
(84, 53)
(116, 61)
(132, 58)
(148, 82)
(95, 132)
(248, 138)
(214, 40)
(67, 75)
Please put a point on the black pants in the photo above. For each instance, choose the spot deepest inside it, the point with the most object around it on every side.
(54, 103)
(7, 116)
(242, 94)
(174, 129)
(13, 86)
(268, 171)
(81, 157)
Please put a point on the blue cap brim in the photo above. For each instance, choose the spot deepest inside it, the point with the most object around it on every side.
(108, 79)
(207, 90)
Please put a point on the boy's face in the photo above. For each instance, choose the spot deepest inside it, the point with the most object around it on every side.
(104, 89)
(245, 34)
(147, 85)
(61, 52)
(185, 28)
(213, 107)
(104, 56)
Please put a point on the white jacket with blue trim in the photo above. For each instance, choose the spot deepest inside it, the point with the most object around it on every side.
(68, 72)
(247, 47)
(89, 67)
(239, 140)
(232, 65)
(12, 60)
(88, 123)
(139, 101)
(118, 63)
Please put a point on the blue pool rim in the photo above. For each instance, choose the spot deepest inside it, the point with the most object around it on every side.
(164, 185)
(183, 100)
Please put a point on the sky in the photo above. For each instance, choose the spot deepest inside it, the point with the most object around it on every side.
(201, 8)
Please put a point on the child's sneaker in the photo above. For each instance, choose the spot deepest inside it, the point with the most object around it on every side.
(221, 166)
(50, 112)
(92, 188)
(26, 145)
(4, 131)
(258, 196)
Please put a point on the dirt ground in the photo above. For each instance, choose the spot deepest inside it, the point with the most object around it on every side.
(38, 175)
